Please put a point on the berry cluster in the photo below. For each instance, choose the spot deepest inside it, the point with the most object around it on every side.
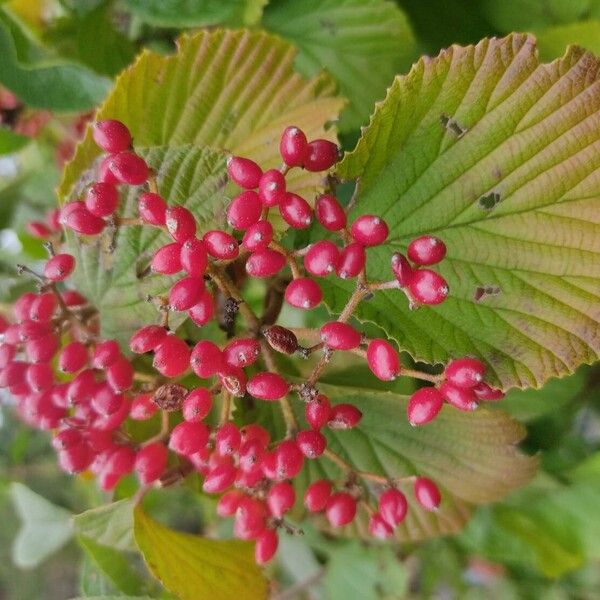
(99, 387)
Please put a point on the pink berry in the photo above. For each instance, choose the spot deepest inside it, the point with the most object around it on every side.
(129, 168)
(38, 229)
(258, 236)
(241, 352)
(253, 431)
(330, 213)
(293, 147)
(340, 336)
(461, 398)
(244, 210)
(22, 306)
(166, 259)
(42, 349)
(206, 359)
(303, 293)
(193, 257)
(186, 293)
(427, 287)
(484, 392)
(82, 221)
(43, 307)
(151, 462)
(393, 506)
(73, 298)
(288, 460)
(59, 267)
(171, 357)
(228, 503)
(379, 528)
(268, 386)
(250, 519)
(271, 187)
(465, 372)
(81, 388)
(402, 269)
(180, 223)
(40, 377)
(142, 407)
(244, 172)
(369, 230)
(250, 455)
(426, 250)
(120, 375)
(188, 437)
(317, 412)
(152, 209)
(265, 263)
(322, 258)
(383, 360)
(220, 244)
(227, 439)
(105, 402)
(69, 208)
(111, 135)
(295, 210)
(7, 354)
(424, 406)
(74, 356)
(427, 493)
(344, 416)
(203, 311)
(266, 546)
(317, 495)
(105, 175)
(219, 478)
(321, 155)
(147, 338)
(340, 509)
(75, 459)
(102, 199)
(312, 443)
(281, 498)
(32, 330)
(197, 405)
(352, 261)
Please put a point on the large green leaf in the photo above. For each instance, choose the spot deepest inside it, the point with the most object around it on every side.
(362, 43)
(189, 565)
(515, 199)
(553, 40)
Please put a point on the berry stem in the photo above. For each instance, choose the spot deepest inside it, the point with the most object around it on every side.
(384, 285)
(164, 431)
(290, 257)
(225, 406)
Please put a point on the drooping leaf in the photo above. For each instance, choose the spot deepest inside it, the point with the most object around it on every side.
(522, 271)
(44, 527)
(362, 43)
(189, 564)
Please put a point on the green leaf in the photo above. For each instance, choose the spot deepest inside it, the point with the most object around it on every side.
(530, 140)
(553, 41)
(11, 142)
(362, 43)
(189, 564)
(112, 598)
(44, 527)
(46, 82)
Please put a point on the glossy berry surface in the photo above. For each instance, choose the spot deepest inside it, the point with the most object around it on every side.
(426, 250)
(424, 406)
(111, 135)
(293, 146)
(383, 360)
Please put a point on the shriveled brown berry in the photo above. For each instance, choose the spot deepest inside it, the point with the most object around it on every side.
(170, 396)
(281, 339)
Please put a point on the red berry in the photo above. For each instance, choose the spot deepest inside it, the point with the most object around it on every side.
(228, 503)
(271, 187)
(59, 267)
(82, 221)
(105, 175)
(281, 498)
(147, 339)
(180, 223)
(105, 402)
(322, 258)
(266, 546)
(250, 519)
(74, 356)
(317, 495)
(142, 407)
(152, 209)
(53, 219)
(166, 259)
(252, 431)
(340, 336)
(344, 416)
(393, 506)
(265, 263)
(312, 443)
(427, 287)
(102, 199)
(244, 172)
(379, 528)
(383, 360)
(352, 261)
(129, 168)
(427, 493)
(244, 210)
(268, 386)
(120, 374)
(318, 412)
(69, 208)
(193, 257)
(402, 269)
(7, 354)
(288, 460)
(250, 455)
(188, 438)
(426, 250)
(43, 307)
(321, 155)
(22, 306)
(40, 377)
(81, 388)
(171, 357)
(186, 293)
(32, 330)
(150, 462)
(75, 459)
(206, 359)
(340, 509)
(295, 210)
(111, 135)
(42, 349)
(461, 398)
(484, 392)
(258, 236)
(293, 147)
(220, 244)
(330, 213)
(219, 478)
(241, 352)
(73, 298)
(424, 406)
(465, 372)
(197, 405)
(303, 293)
(369, 230)
(202, 312)
(38, 230)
